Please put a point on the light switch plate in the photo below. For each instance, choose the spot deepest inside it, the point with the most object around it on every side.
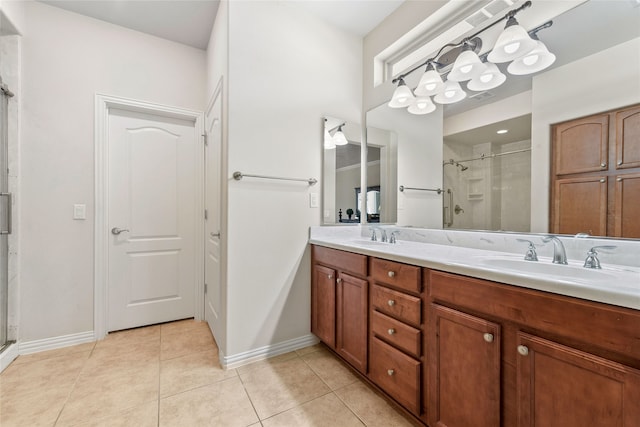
(79, 211)
(313, 200)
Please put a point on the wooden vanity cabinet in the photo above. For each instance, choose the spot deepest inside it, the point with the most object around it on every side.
(339, 303)
(395, 341)
(561, 361)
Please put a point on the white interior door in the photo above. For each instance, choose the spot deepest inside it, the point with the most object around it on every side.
(213, 295)
(152, 219)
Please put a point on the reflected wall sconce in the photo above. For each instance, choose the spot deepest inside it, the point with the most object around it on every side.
(338, 138)
(523, 49)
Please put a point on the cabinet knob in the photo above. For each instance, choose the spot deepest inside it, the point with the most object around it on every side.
(391, 274)
(391, 331)
(391, 303)
(619, 162)
(488, 337)
(390, 372)
(523, 350)
(339, 280)
(603, 180)
(603, 165)
(619, 179)
(330, 276)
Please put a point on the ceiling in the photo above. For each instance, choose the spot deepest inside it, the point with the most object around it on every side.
(190, 21)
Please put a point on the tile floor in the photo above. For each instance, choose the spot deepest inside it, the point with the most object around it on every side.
(169, 375)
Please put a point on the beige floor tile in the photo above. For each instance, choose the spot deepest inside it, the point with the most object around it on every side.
(41, 375)
(49, 354)
(191, 371)
(268, 363)
(111, 358)
(327, 410)
(182, 326)
(145, 415)
(310, 349)
(372, 409)
(107, 393)
(40, 407)
(223, 404)
(182, 344)
(327, 366)
(282, 386)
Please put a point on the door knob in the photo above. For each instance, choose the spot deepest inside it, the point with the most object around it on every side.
(115, 230)
(212, 234)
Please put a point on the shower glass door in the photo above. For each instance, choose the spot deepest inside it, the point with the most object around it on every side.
(5, 220)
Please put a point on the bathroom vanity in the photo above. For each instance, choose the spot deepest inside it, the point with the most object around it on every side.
(461, 336)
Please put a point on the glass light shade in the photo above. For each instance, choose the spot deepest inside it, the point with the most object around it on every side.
(467, 66)
(491, 78)
(328, 141)
(513, 43)
(451, 93)
(339, 138)
(422, 105)
(430, 83)
(536, 60)
(402, 96)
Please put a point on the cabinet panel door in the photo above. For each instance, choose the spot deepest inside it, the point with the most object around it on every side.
(562, 387)
(323, 304)
(464, 370)
(627, 210)
(581, 145)
(580, 206)
(352, 320)
(628, 138)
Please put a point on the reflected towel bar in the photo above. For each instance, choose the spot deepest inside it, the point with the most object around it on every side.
(239, 175)
(437, 190)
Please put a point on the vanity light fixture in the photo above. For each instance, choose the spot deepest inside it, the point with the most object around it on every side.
(328, 140)
(339, 138)
(502, 131)
(528, 53)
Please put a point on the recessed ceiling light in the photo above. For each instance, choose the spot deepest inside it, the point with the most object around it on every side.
(501, 131)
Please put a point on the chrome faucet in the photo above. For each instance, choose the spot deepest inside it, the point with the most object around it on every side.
(531, 254)
(592, 260)
(374, 237)
(392, 238)
(559, 254)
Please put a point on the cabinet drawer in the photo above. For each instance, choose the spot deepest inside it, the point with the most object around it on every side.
(401, 306)
(396, 373)
(397, 333)
(396, 274)
(341, 260)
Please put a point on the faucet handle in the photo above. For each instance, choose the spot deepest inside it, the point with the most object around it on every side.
(373, 235)
(392, 237)
(531, 254)
(592, 260)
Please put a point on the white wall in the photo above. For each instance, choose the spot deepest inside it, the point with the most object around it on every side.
(571, 91)
(280, 86)
(66, 59)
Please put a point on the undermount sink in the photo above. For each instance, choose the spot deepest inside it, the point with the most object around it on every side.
(548, 268)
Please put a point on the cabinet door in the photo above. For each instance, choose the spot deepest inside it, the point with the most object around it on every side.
(562, 387)
(352, 320)
(464, 370)
(323, 304)
(627, 209)
(628, 138)
(581, 145)
(580, 206)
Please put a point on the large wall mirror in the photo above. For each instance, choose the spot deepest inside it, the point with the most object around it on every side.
(500, 181)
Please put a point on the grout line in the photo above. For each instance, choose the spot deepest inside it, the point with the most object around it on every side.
(349, 407)
(250, 400)
(73, 387)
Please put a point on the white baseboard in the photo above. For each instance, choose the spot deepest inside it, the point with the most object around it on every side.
(240, 359)
(8, 355)
(56, 342)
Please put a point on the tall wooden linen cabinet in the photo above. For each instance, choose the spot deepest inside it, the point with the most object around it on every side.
(595, 175)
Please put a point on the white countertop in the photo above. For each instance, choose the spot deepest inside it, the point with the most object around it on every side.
(613, 284)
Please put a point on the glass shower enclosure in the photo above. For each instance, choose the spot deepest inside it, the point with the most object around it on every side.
(5, 214)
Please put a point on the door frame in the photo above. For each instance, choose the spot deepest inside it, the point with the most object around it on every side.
(103, 105)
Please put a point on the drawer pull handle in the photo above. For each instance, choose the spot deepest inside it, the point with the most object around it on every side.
(488, 337)
(391, 303)
(391, 274)
(391, 331)
(523, 350)
(390, 372)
